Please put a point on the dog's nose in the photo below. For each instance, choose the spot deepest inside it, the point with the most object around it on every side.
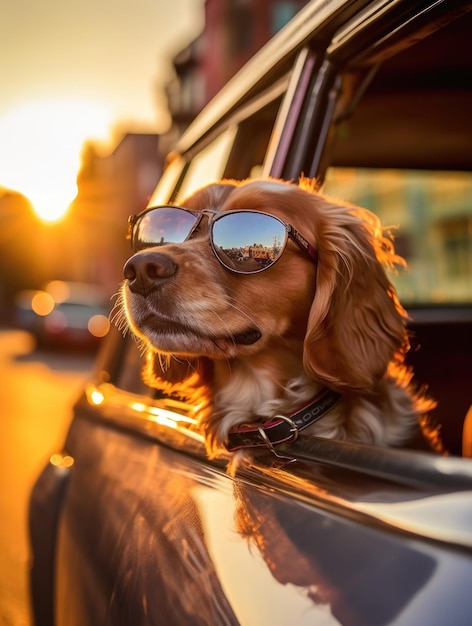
(147, 270)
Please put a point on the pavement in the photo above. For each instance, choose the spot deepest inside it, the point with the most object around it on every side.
(37, 392)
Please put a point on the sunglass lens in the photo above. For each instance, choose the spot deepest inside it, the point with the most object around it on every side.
(248, 242)
(162, 226)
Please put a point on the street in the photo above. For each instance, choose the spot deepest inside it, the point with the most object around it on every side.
(38, 390)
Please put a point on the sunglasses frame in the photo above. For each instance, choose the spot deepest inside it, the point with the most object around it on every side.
(290, 232)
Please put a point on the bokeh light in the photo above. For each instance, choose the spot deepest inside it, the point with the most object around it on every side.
(42, 303)
(59, 290)
(98, 325)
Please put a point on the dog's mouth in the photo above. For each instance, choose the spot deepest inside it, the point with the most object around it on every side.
(172, 336)
(248, 337)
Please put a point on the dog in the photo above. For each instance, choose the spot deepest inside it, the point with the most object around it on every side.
(271, 337)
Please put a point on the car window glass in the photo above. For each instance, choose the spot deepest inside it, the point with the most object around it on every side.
(240, 150)
(433, 213)
(167, 183)
(251, 142)
(208, 165)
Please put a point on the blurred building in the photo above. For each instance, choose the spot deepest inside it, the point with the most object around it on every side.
(111, 187)
(89, 245)
(19, 265)
(234, 30)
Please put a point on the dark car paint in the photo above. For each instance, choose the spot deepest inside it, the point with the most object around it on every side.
(131, 524)
(168, 539)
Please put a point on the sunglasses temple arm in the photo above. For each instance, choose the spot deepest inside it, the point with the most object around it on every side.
(302, 243)
(131, 222)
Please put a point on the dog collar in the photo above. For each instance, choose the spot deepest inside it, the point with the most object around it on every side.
(282, 428)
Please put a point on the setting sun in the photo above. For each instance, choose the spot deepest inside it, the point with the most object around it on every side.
(45, 139)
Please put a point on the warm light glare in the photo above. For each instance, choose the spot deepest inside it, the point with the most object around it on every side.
(170, 416)
(163, 420)
(42, 303)
(45, 140)
(59, 290)
(138, 406)
(98, 325)
(97, 397)
(61, 460)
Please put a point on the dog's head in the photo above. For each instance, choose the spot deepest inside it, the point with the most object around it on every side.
(333, 315)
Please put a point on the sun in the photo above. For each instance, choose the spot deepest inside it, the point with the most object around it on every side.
(40, 147)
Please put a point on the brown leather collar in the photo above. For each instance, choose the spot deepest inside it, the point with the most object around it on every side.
(282, 428)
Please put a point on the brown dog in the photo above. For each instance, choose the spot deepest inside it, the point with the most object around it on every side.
(274, 325)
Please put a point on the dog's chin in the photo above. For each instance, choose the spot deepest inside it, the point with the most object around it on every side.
(180, 340)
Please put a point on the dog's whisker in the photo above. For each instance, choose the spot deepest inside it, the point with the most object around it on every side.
(181, 360)
(118, 317)
(142, 345)
(164, 361)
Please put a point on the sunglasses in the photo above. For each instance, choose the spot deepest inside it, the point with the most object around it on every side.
(243, 241)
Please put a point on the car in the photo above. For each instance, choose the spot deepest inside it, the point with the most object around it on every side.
(132, 524)
(64, 314)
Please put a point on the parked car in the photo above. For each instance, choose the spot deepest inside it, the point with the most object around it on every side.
(131, 524)
(69, 315)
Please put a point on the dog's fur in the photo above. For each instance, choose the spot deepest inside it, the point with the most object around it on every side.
(248, 347)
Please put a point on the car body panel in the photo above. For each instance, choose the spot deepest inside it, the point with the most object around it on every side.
(168, 527)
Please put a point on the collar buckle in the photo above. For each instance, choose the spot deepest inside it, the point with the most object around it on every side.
(281, 428)
(293, 427)
(294, 436)
(270, 445)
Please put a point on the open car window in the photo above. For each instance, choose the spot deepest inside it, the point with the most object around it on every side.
(208, 165)
(401, 148)
(396, 148)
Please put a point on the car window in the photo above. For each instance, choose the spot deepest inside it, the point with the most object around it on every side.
(251, 142)
(431, 212)
(168, 182)
(401, 148)
(208, 165)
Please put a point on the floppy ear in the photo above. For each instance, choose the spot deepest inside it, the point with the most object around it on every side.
(356, 325)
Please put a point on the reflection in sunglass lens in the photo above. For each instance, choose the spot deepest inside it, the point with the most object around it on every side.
(248, 241)
(162, 226)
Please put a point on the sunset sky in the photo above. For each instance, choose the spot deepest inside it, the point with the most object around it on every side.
(76, 70)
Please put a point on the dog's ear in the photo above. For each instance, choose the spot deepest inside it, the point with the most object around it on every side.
(356, 325)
